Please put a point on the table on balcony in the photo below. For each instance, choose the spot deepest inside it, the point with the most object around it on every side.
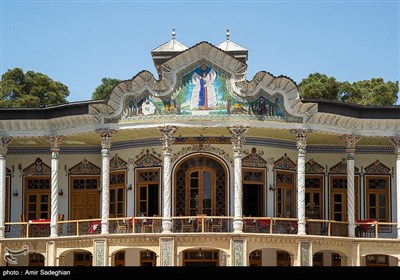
(95, 227)
(365, 228)
(39, 228)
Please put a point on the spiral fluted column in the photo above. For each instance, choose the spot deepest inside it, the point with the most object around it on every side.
(105, 177)
(167, 140)
(396, 143)
(238, 140)
(4, 142)
(55, 142)
(350, 142)
(301, 144)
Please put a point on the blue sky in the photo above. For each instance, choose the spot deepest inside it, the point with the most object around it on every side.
(79, 42)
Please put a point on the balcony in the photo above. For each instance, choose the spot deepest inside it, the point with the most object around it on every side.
(198, 225)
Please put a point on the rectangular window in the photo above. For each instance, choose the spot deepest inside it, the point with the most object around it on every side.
(377, 191)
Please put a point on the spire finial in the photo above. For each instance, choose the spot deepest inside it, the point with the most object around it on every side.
(228, 35)
(173, 34)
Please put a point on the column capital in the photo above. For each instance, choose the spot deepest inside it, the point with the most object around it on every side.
(238, 138)
(5, 141)
(350, 141)
(106, 135)
(396, 142)
(167, 138)
(301, 137)
(55, 142)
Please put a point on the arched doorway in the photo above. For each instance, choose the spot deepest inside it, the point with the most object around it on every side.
(200, 187)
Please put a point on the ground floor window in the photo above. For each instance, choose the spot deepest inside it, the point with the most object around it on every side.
(377, 260)
(282, 258)
(82, 259)
(255, 258)
(200, 258)
(147, 258)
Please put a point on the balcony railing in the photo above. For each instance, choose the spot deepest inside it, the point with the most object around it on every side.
(200, 224)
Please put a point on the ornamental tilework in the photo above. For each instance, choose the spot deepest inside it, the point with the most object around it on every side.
(254, 160)
(85, 168)
(341, 168)
(314, 167)
(238, 253)
(37, 168)
(117, 163)
(166, 248)
(305, 253)
(285, 163)
(99, 251)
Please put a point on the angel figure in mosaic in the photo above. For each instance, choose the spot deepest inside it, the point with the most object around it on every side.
(203, 93)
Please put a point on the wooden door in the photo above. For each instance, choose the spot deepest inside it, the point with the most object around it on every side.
(85, 198)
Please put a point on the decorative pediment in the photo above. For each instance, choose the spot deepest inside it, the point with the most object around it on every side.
(117, 163)
(203, 82)
(341, 168)
(254, 160)
(37, 168)
(285, 163)
(84, 168)
(314, 167)
(377, 168)
(148, 160)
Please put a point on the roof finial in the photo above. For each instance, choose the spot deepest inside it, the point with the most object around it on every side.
(228, 35)
(173, 34)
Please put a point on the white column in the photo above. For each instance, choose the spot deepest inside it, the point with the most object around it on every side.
(350, 142)
(105, 178)
(396, 143)
(4, 142)
(167, 140)
(238, 140)
(55, 142)
(301, 143)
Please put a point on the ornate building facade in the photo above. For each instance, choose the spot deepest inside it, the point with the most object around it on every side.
(200, 167)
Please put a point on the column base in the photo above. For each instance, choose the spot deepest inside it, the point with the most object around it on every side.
(104, 227)
(167, 226)
(301, 228)
(238, 225)
(53, 231)
(352, 230)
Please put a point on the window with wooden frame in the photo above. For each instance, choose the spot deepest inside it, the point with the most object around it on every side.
(147, 258)
(85, 197)
(338, 194)
(377, 192)
(314, 196)
(200, 194)
(318, 259)
(37, 197)
(377, 260)
(282, 258)
(36, 259)
(147, 192)
(117, 194)
(200, 258)
(285, 182)
(253, 192)
(255, 258)
(336, 259)
(119, 258)
(82, 259)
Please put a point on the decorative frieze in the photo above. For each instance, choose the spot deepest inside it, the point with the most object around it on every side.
(196, 148)
(377, 168)
(85, 168)
(146, 159)
(202, 140)
(285, 163)
(341, 168)
(117, 163)
(314, 167)
(254, 159)
(37, 168)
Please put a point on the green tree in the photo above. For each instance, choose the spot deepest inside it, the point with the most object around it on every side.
(367, 92)
(371, 92)
(103, 91)
(320, 86)
(30, 89)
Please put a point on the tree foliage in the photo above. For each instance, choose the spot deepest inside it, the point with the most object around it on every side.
(103, 91)
(367, 92)
(30, 89)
